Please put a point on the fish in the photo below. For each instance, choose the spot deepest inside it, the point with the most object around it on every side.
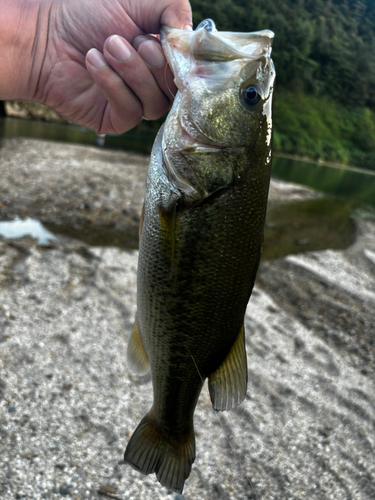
(201, 237)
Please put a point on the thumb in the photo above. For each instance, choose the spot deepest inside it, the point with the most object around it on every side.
(177, 14)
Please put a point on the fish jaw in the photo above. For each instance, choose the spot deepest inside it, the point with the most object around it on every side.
(184, 48)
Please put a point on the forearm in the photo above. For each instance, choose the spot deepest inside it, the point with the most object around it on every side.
(23, 35)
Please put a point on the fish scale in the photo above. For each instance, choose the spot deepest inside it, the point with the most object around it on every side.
(200, 244)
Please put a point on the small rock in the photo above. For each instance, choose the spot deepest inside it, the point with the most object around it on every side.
(64, 490)
(106, 488)
(303, 241)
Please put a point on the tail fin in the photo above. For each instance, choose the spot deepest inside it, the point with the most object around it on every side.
(149, 450)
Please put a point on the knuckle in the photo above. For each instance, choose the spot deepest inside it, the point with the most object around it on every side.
(156, 113)
(113, 86)
(132, 119)
(136, 118)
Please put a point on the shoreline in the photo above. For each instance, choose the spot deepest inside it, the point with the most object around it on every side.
(30, 111)
(323, 163)
(295, 217)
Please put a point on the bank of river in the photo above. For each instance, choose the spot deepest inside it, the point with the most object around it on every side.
(139, 139)
(68, 403)
(354, 184)
(105, 211)
(314, 224)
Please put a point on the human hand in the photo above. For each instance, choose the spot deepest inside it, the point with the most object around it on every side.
(100, 66)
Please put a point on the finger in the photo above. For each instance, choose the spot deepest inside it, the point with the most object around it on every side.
(149, 48)
(124, 59)
(172, 13)
(176, 14)
(123, 110)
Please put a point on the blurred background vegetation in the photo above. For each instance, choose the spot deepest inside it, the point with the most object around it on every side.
(324, 54)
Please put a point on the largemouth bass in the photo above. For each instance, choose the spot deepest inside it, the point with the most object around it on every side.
(201, 238)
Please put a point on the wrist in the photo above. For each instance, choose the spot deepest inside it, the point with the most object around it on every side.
(23, 35)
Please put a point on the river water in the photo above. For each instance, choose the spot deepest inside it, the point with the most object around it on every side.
(293, 228)
(358, 185)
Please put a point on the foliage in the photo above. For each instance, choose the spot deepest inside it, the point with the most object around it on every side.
(324, 54)
(319, 127)
(321, 46)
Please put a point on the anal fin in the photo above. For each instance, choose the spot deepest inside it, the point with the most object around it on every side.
(228, 384)
(137, 357)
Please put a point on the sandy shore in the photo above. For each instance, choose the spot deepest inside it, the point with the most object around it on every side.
(68, 402)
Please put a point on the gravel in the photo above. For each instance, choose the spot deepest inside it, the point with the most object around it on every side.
(68, 403)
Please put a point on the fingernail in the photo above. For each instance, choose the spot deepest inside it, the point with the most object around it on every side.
(188, 27)
(96, 58)
(118, 48)
(138, 40)
(151, 53)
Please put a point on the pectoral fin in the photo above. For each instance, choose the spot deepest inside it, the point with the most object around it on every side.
(227, 384)
(137, 357)
(167, 219)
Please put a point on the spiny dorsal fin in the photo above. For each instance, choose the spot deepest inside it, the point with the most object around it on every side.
(228, 384)
(137, 357)
(149, 450)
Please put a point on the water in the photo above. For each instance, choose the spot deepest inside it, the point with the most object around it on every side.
(322, 223)
(16, 127)
(307, 226)
(292, 228)
(139, 139)
(357, 185)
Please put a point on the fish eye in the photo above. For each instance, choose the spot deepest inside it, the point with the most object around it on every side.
(251, 95)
